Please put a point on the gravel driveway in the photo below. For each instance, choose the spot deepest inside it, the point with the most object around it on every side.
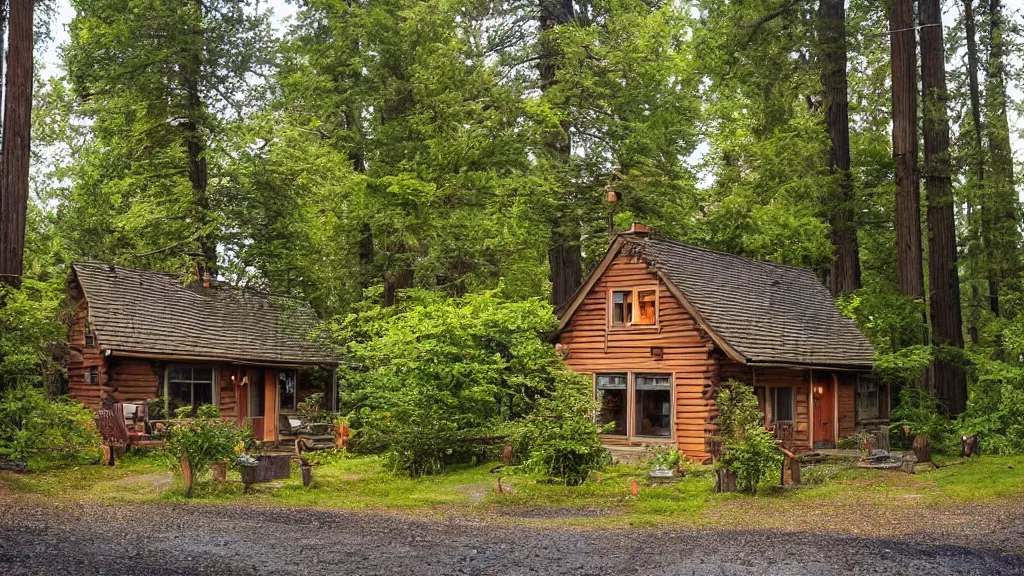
(162, 539)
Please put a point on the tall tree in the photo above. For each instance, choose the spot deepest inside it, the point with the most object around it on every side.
(17, 124)
(977, 159)
(160, 82)
(1002, 207)
(845, 269)
(907, 213)
(564, 254)
(943, 275)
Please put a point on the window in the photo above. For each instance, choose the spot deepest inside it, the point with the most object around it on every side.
(189, 386)
(93, 377)
(611, 395)
(868, 405)
(286, 389)
(646, 306)
(782, 404)
(90, 339)
(634, 307)
(622, 308)
(653, 407)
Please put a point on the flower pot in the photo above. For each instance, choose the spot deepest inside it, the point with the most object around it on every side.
(219, 471)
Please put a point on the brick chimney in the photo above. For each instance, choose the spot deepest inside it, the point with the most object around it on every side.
(639, 229)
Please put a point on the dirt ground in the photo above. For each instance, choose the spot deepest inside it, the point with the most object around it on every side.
(39, 537)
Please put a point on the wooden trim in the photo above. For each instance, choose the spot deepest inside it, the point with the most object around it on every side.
(197, 359)
(588, 285)
(270, 409)
(810, 408)
(692, 310)
(835, 409)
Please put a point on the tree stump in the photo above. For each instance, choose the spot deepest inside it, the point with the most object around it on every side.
(219, 470)
(881, 435)
(909, 461)
(922, 448)
(307, 475)
(725, 480)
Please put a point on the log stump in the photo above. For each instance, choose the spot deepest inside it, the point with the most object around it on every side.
(922, 448)
(725, 480)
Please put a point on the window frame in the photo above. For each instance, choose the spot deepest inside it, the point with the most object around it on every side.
(773, 402)
(877, 391)
(294, 408)
(193, 367)
(634, 312)
(625, 416)
(632, 434)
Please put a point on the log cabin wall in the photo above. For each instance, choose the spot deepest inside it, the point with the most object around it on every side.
(768, 377)
(846, 396)
(593, 347)
(84, 359)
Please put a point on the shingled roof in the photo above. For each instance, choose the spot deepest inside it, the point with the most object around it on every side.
(146, 313)
(766, 313)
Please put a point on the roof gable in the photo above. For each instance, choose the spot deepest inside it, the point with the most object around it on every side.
(757, 312)
(141, 312)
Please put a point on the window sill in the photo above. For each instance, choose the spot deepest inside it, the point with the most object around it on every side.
(635, 328)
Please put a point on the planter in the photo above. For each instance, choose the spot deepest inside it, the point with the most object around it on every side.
(268, 467)
(219, 471)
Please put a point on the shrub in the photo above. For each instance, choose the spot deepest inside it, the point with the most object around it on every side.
(749, 450)
(560, 437)
(436, 380)
(311, 409)
(45, 432)
(198, 441)
(923, 412)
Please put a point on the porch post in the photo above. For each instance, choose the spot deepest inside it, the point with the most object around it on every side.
(333, 403)
(270, 406)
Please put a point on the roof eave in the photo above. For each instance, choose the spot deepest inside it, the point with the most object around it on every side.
(278, 362)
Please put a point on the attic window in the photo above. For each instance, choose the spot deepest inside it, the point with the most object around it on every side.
(636, 307)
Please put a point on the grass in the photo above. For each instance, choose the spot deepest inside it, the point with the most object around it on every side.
(362, 483)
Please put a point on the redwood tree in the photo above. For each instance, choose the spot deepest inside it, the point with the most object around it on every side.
(907, 214)
(943, 278)
(16, 142)
(845, 269)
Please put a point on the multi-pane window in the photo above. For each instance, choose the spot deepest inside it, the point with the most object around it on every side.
(634, 307)
(782, 404)
(611, 395)
(642, 407)
(189, 386)
(653, 405)
(868, 405)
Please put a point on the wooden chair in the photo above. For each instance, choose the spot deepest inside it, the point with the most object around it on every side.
(304, 438)
(116, 438)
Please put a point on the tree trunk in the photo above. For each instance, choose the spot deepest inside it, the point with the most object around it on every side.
(978, 157)
(198, 171)
(845, 270)
(907, 214)
(17, 125)
(1002, 235)
(943, 278)
(564, 257)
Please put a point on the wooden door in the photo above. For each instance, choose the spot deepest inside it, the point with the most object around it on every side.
(824, 394)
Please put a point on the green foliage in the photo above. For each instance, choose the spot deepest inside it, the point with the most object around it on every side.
(436, 379)
(923, 412)
(904, 366)
(995, 406)
(45, 432)
(204, 438)
(749, 451)
(30, 334)
(311, 410)
(559, 436)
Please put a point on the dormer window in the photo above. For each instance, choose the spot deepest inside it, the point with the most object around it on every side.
(636, 307)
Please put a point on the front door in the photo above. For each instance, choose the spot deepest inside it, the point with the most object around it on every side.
(824, 395)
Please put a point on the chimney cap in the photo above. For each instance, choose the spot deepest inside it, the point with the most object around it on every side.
(639, 229)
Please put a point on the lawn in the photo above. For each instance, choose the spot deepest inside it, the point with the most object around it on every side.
(843, 498)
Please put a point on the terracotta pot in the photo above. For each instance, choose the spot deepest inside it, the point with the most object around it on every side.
(219, 471)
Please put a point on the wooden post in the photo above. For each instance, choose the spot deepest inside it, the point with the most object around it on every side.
(270, 406)
(186, 474)
(922, 448)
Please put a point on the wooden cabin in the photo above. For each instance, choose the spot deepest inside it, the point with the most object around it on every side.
(660, 324)
(139, 335)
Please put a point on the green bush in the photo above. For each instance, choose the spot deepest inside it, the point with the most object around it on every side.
(749, 450)
(203, 438)
(45, 432)
(560, 438)
(923, 412)
(436, 380)
(995, 406)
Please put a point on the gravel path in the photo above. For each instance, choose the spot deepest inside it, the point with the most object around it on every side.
(39, 538)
